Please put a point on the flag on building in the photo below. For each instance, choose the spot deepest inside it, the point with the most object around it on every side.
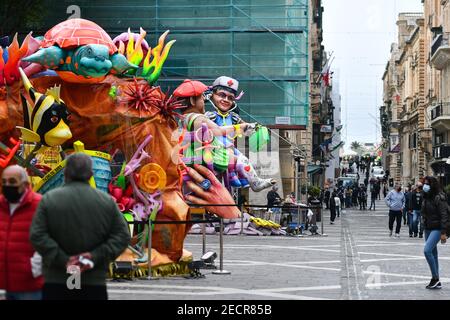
(336, 147)
(326, 73)
(325, 145)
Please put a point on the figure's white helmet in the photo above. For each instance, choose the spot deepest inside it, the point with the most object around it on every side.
(228, 83)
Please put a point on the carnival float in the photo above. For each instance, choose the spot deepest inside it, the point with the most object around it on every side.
(75, 89)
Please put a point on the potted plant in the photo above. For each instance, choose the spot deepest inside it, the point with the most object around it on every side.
(314, 191)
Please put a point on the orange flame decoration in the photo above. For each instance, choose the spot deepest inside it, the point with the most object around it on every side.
(10, 70)
(2, 66)
(134, 53)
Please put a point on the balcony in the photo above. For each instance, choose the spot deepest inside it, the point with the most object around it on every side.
(441, 152)
(402, 114)
(440, 51)
(440, 117)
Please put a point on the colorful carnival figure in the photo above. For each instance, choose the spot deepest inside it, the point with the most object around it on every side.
(105, 124)
(194, 118)
(45, 122)
(80, 50)
(45, 126)
(223, 97)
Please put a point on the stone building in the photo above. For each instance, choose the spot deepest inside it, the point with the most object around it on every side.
(404, 114)
(437, 17)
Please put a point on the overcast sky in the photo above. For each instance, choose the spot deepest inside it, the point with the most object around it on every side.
(360, 34)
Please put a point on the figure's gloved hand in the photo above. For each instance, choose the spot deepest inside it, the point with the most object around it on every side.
(249, 129)
(215, 194)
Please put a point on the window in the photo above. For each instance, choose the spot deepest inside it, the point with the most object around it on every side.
(413, 141)
(438, 139)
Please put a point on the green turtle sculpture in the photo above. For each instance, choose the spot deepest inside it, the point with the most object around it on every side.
(80, 51)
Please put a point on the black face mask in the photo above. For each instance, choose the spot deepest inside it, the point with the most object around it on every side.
(11, 193)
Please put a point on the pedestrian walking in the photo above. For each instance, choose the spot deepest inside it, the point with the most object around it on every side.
(407, 205)
(395, 200)
(337, 202)
(385, 189)
(321, 198)
(378, 188)
(417, 221)
(20, 274)
(327, 198)
(373, 197)
(435, 216)
(362, 198)
(409, 210)
(341, 196)
(355, 193)
(348, 198)
(274, 199)
(332, 206)
(78, 229)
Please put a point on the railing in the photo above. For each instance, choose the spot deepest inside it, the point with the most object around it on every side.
(436, 112)
(402, 114)
(441, 109)
(441, 151)
(317, 210)
(439, 41)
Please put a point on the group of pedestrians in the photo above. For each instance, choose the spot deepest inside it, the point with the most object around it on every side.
(424, 207)
(406, 205)
(350, 197)
(74, 228)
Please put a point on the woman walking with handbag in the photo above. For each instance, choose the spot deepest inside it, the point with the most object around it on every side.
(435, 217)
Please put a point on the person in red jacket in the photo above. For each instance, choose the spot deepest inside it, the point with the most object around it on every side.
(19, 264)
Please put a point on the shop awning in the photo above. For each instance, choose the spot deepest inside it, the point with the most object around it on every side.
(313, 169)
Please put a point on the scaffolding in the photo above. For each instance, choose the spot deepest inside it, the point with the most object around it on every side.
(262, 43)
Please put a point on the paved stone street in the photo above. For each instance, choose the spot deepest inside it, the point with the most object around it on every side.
(357, 260)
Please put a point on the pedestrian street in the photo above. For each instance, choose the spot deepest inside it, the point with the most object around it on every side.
(355, 260)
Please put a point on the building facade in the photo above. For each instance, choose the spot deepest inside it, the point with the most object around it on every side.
(332, 161)
(389, 116)
(310, 173)
(437, 14)
(406, 132)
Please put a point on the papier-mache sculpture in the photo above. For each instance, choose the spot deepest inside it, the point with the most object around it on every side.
(81, 91)
(80, 51)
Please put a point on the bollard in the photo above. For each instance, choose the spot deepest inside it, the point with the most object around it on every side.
(221, 271)
(321, 223)
(203, 236)
(149, 249)
(242, 219)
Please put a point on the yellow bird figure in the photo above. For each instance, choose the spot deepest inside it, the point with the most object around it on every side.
(46, 122)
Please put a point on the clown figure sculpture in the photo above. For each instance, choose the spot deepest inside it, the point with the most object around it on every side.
(192, 93)
(223, 97)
